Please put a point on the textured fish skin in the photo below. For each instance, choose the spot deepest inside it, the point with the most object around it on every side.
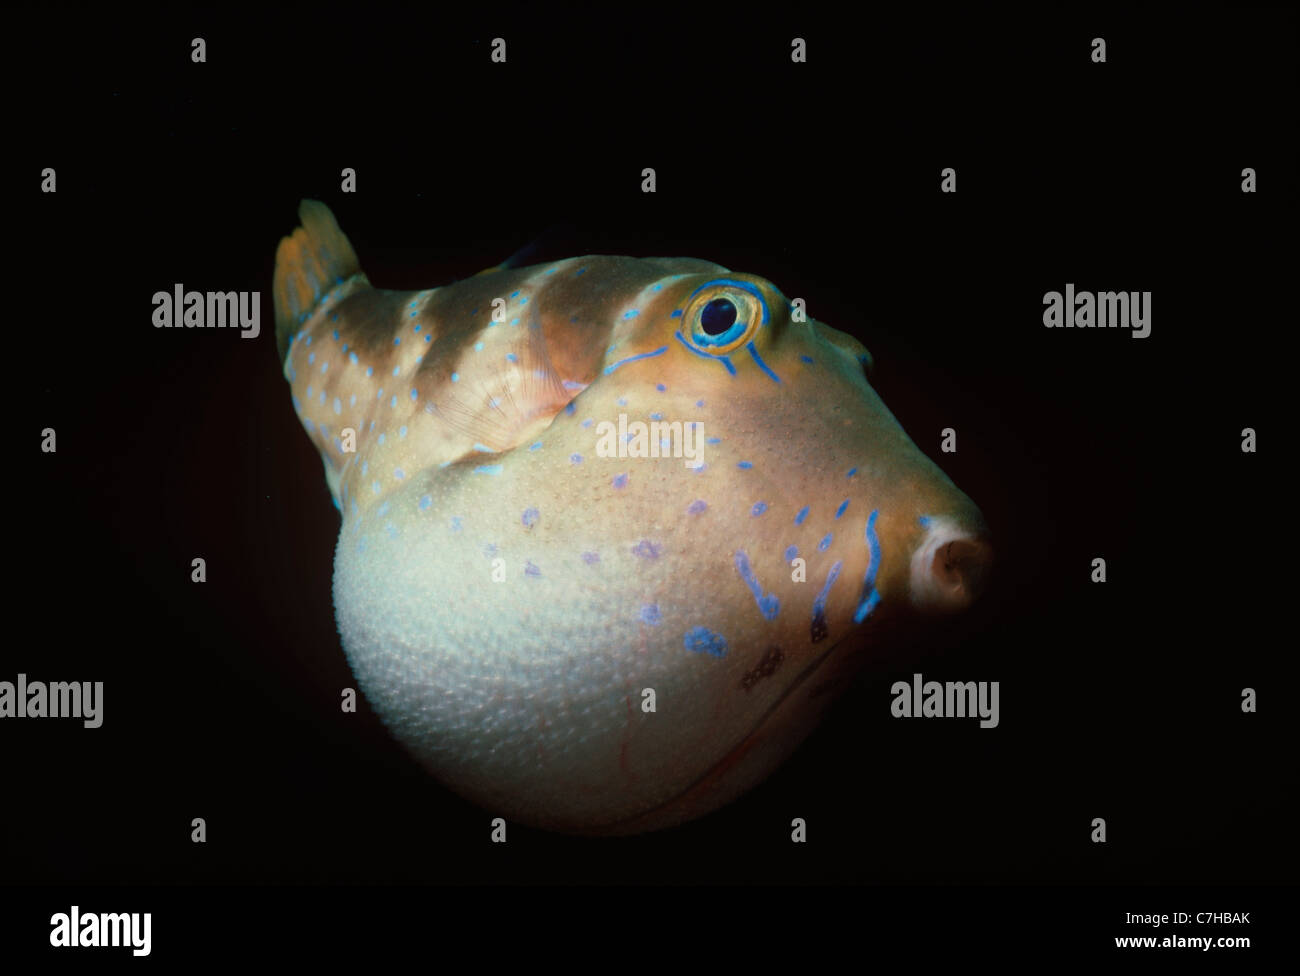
(506, 595)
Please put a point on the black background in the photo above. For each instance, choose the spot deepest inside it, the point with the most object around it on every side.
(1119, 701)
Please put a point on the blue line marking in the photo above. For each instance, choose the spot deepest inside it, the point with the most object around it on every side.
(819, 605)
(704, 355)
(641, 355)
(768, 604)
(761, 365)
(869, 595)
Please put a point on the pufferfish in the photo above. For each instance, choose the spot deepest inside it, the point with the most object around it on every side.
(611, 526)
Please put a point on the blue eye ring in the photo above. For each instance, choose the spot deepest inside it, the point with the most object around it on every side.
(732, 312)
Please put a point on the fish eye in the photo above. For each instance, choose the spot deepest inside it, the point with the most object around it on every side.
(722, 319)
(718, 316)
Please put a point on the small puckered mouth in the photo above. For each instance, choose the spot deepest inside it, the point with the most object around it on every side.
(950, 566)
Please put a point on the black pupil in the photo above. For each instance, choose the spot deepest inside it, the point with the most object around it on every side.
(718, 316)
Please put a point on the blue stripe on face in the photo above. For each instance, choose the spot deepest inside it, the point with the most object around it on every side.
(869, 595)
(761, 365)
(630, 359)
(704, 355)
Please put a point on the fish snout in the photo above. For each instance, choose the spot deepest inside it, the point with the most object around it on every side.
(950, 566)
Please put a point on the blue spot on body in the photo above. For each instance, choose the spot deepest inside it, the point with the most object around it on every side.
(631, 313)
(843, 505)
(803, 514)
(697, 506)
(791, 552)
(399, 474)
(425, 502)
(806, 359)
(530, 569)
(455, 377)
(660, 387)
(575, 458)
(455, 523)
(530, 517)
(758, 509)
(647, 549)
(703, 640)
(925, 521)
(591, 558)
(535, 446)
(745, 465)
(488, 469)
(713, 440)
(620, 481)
(825, 543)
(650, 615)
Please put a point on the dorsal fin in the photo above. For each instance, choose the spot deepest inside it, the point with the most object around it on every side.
(308, 263)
